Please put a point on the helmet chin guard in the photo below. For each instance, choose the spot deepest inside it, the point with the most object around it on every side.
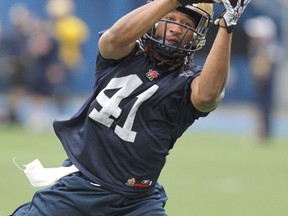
(201, 14)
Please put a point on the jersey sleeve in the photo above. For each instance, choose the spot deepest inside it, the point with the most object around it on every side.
(102, 63)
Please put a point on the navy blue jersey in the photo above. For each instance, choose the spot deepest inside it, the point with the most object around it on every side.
(122, 134)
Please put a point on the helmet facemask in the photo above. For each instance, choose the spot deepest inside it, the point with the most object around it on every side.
(202, 20)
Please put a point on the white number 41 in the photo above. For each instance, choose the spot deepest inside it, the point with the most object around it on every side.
(110, 106)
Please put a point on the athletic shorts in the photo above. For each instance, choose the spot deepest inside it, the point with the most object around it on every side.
(74, 195)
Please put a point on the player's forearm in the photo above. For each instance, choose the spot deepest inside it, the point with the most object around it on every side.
(215, 72)
(217, 64)
(123, 34)
(138, 22)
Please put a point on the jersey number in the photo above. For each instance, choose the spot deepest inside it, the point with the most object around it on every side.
(110, 105)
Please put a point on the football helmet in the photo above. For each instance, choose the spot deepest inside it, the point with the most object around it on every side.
(202, 14)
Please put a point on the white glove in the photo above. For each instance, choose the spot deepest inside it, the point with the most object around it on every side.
(233, 11)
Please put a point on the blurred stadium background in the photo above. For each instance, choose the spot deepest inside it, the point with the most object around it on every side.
(220, 167)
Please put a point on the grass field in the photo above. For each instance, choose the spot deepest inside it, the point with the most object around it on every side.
(205, 175)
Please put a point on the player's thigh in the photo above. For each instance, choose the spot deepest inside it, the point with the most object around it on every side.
(48, 202)
(72, 195)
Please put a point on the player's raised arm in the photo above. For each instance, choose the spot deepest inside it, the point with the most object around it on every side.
(119, 40)
(208, 88)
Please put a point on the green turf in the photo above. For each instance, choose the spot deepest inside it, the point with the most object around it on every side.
(205, 175)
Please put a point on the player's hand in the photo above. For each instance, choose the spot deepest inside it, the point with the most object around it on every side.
(233, 11)
(187, 2)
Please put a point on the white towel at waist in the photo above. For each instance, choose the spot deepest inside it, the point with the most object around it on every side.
(40, 176)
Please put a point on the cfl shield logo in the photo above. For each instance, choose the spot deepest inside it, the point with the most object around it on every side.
(152, 74)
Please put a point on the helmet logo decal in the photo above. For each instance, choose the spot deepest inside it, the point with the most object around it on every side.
(152, 74)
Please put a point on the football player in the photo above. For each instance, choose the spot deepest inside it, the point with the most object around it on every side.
(148, 91)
